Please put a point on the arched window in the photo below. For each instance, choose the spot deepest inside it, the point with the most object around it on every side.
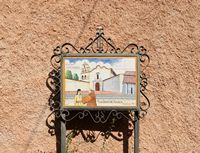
(97, 75)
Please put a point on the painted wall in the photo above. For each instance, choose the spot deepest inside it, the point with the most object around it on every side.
(113, 84)
(169, 30)
(129, 88)
(73, 85)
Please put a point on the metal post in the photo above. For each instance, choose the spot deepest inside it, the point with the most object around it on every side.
(125, 136)
(63, 137)
(136, 132)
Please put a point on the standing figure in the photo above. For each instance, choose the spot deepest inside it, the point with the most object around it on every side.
(78, 98)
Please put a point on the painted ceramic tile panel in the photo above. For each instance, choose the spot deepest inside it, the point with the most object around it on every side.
(99, 82)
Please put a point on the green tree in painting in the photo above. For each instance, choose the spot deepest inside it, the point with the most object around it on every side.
(75, 76)
(68, 74)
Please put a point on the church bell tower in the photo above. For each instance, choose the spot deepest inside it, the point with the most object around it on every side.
(85, 73)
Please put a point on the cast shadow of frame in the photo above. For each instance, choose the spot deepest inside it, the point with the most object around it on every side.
(112, 128)
(118, 125)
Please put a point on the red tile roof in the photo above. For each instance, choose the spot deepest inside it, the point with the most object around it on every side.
(129, 77)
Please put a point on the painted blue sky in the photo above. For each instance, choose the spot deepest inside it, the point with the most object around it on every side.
(104, 60)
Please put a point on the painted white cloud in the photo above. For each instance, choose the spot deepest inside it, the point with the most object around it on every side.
(122, 65)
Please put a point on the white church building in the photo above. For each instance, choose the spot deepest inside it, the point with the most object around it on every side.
(102, 78)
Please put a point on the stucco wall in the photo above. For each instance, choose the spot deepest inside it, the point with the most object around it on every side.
(169, 29)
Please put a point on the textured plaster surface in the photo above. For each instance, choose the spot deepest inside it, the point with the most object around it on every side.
(169, 29)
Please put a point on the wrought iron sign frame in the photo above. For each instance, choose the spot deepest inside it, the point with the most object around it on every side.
(98, 46)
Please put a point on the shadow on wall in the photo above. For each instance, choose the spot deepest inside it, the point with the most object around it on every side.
(89, 125)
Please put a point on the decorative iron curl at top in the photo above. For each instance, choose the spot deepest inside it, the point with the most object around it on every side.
(99, 44)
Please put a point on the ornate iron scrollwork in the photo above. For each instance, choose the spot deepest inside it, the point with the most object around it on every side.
(97, 45)
(98, 117)
(144, 60)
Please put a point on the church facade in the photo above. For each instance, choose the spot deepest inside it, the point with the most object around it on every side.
(102, 78)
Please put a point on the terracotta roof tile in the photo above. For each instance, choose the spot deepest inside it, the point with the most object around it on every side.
(129, 77)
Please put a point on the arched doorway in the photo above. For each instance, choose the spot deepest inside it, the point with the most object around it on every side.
(97, 86)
